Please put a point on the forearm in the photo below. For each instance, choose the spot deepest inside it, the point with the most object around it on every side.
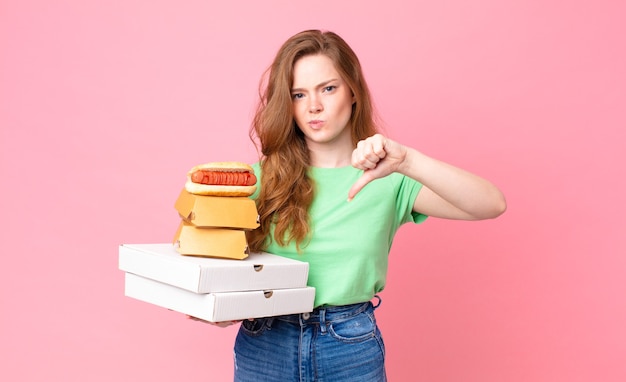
(474, 197)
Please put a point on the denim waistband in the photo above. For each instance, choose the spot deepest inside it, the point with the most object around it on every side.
(329, 313)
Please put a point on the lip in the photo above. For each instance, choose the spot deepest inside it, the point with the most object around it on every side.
(315, 123)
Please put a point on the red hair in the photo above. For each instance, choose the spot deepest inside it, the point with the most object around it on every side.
(286, 190)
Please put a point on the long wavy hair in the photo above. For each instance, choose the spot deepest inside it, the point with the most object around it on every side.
(286, 190)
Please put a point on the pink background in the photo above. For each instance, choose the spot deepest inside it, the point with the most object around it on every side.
(104, 106)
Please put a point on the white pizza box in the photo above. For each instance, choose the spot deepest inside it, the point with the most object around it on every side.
(224, 306)
(259, 271)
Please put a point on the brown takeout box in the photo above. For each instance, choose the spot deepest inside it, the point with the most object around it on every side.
(210, 242)
(217, 211)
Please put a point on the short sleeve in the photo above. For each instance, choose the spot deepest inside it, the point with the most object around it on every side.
(407, 193)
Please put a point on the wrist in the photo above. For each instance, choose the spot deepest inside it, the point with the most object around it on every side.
(409, 165)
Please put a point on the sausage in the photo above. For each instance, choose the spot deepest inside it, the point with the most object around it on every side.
(224, 178)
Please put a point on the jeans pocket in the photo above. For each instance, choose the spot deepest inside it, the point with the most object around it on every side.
(255, 327)
(356, 329)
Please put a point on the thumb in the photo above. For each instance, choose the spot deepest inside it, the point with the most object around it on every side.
(359, 184)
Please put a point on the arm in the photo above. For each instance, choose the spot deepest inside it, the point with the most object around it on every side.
(222, 324)
(448, 191)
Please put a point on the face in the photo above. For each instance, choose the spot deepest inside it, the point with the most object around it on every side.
(322, 102)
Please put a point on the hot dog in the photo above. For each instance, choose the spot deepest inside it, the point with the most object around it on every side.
(221, 179)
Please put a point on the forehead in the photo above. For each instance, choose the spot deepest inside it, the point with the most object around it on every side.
(312, 70)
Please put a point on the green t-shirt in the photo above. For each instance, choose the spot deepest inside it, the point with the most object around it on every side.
(350, 242)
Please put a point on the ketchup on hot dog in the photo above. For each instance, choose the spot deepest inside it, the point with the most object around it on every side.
(223, 178)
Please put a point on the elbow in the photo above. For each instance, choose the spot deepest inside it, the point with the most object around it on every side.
(491, 211)
(498, 207)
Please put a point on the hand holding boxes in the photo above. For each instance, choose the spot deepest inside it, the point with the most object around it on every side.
(215, 289)
(209, 272)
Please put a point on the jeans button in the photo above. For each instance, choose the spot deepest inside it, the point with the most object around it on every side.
(306, 316)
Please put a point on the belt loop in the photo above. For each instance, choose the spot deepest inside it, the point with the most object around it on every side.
(379, 301)
(323, 320)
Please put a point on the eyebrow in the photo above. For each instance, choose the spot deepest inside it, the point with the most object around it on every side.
(320, 85)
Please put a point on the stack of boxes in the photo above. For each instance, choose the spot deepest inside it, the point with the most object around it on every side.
(209, 272)
(214, 226)
(215, 289)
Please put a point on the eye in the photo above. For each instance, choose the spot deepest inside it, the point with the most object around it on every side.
(329, 88)
(297, 95)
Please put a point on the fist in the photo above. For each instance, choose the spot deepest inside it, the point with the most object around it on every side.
(378, 157)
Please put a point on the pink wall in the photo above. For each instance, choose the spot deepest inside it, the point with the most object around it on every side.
(105, 105)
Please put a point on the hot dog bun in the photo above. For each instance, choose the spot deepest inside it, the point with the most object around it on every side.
(220, 190)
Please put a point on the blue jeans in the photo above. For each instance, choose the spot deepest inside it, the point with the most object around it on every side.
(341, 343)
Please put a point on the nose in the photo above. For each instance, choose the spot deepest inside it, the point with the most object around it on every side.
(315, 105)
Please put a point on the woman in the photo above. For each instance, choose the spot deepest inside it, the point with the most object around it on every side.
(333, 192)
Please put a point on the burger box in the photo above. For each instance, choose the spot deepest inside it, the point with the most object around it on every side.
(210, 242)
(217, 211)
(260, 271)
(224, 306)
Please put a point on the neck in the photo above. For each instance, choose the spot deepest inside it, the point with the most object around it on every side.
(331, 153)
(330, 156)
(319, 159)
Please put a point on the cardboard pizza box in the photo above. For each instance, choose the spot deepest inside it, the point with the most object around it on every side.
(224, 306)
(260, 271)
